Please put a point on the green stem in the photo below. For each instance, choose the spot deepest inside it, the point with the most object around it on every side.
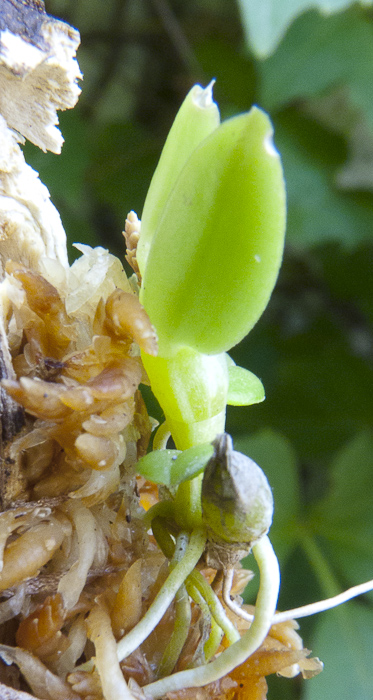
(214, 640)
(165, 596)
(216, 609)
(161, 437)
(188, 503)
(163, 537)
(163, 509)
(216, 633)
(183, 616)
(249, 642)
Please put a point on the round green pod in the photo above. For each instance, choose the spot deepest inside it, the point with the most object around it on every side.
(237, 502)
(217, 250)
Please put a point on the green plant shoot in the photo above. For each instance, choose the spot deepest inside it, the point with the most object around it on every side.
(209, 259)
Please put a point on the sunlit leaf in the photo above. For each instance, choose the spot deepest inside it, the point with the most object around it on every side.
(308, 156)
(351, 486)
(336, 111)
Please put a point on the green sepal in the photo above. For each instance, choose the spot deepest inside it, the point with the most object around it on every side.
(197, 117)
(215, 255)
(245, 388)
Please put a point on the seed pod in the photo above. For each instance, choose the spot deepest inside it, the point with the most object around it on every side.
(237, 503)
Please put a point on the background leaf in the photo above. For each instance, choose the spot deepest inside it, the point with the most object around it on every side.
(344, 639)
(266, 22)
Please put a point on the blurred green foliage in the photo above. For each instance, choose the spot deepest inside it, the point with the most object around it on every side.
(313, 346)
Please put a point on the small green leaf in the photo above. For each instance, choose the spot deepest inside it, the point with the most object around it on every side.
(245, 388)
(215, 256)
(197, 117)
(157, 466)
(172, 467)
(190, 463)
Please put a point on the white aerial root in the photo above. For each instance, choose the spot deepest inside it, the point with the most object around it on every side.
(163, 599)
(295, 613)
(238, 652)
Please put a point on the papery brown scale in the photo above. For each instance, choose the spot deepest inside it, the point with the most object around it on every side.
(127, 318)
(86, 684)
(40, 398)
(99, 318)
(127, 608)
(44, 300)
(252, 688)
(42, 624)
(42, 297)
(137, 667)
(98, 452)
(120, 376)
(32, 550)
(83, 366)
(117, 382)
(222, 689)
(109, 422)
(266, 661)
(143, 424)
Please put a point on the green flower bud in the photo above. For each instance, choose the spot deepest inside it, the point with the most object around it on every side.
(237, 502)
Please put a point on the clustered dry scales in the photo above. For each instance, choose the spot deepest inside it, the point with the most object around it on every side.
(76, 556)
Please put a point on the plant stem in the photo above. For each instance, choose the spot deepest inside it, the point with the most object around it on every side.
(183, 616)
(165, 596)
(214, 640)
(216, 634)
(216, 609)
(249, 642)
(161, 437)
